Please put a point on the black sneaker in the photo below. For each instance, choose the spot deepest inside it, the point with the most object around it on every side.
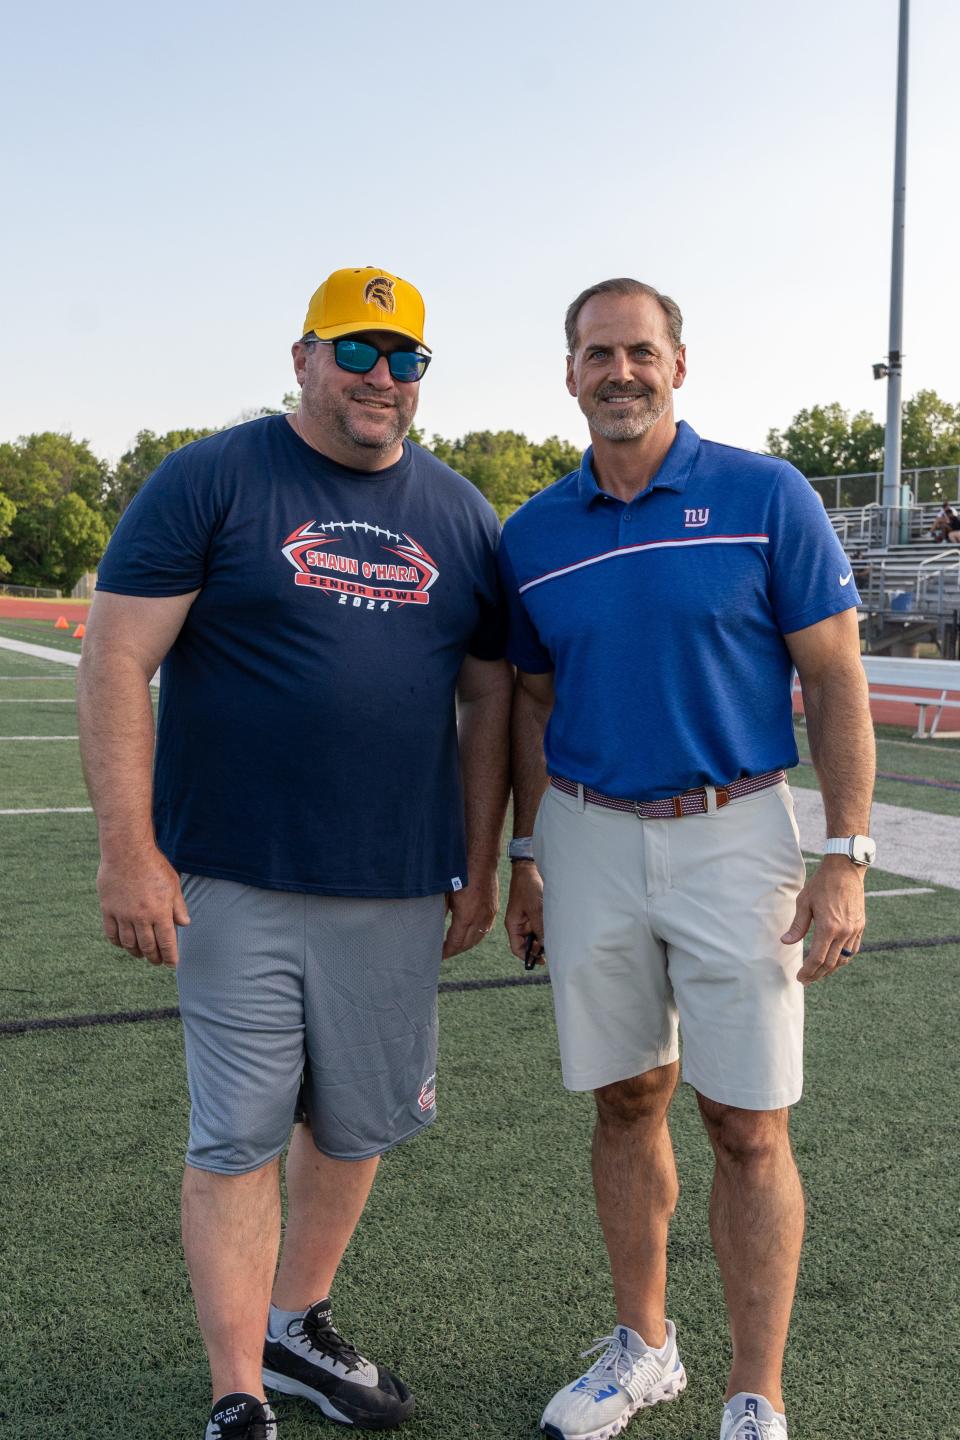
(313, 1360)
(241, 1417)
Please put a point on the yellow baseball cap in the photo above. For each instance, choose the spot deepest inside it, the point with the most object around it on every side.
(365, 299)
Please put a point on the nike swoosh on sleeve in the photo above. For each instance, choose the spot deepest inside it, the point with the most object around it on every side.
(845, 579)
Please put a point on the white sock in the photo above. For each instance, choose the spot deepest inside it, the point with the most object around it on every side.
(764, 1410)
(279, 1320)
(637, 1344)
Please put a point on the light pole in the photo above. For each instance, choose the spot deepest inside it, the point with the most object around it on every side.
(893, 369)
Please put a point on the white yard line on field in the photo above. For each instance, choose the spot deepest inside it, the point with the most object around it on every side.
(918, 844)
(882, 894)
(34, 700)
(41, 652)
(4, 738)
(45, 652)
(917, 744)
(53, 810)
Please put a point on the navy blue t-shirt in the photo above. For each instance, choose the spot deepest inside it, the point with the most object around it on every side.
(306, 737)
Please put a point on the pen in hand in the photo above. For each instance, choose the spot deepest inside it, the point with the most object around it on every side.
(529, 959)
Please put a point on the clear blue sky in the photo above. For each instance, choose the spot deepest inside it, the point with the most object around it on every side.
(178, 180)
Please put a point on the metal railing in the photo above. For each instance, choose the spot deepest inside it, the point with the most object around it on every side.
(931, 483)
(940, 585)
(30, 592)
(858, 526)
(879, 525)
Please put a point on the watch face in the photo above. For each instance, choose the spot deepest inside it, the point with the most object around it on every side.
(863, 850)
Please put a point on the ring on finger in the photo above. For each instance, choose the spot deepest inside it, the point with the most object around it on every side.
(848, 953)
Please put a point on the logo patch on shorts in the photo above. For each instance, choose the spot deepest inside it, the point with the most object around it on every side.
(456, 883)
(427, 1099)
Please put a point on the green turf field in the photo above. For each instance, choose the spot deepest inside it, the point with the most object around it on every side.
(40, 632)
(477, 1270)
(905, 759)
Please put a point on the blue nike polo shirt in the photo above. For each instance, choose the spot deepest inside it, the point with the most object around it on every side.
(664, 619)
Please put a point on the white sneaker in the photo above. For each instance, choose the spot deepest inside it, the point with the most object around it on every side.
(751, 1417)
(627, 1377)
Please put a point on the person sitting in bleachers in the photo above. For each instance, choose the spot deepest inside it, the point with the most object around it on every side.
(947, 525)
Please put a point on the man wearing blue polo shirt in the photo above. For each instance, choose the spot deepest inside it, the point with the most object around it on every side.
(660, 597)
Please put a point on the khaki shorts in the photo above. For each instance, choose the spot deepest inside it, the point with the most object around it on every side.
(651, 926)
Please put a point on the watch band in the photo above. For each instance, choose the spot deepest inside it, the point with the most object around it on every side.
(859, 849)
(520, 848)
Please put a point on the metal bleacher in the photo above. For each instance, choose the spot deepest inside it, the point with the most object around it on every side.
(909, 585)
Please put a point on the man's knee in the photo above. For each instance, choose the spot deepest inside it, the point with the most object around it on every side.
(641, 1100)
(745, 1137)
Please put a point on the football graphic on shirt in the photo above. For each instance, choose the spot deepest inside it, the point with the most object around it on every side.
(360, 564)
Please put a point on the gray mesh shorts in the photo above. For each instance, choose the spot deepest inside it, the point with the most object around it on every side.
(314, 1000)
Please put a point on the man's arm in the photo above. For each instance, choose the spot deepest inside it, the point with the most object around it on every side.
(827, 657)
(126, 638)
(532, 704)
(483, 704)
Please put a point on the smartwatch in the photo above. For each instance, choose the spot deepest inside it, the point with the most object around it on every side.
(861, 849)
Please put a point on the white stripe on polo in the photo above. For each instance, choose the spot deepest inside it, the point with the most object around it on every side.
(648, 545)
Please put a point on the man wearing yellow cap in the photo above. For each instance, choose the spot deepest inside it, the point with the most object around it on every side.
(322, 595)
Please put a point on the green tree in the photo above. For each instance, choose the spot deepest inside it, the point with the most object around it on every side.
(7, 515)
(553, 458)
(931, 431)
(827, 440)
(505, 466)
(139, 462)
(58, 487)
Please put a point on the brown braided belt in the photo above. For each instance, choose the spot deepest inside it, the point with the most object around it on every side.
(674, 807)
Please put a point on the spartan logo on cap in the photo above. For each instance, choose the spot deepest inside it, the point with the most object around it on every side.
(380, 292)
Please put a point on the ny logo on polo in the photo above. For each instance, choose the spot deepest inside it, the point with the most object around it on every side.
(694, 519)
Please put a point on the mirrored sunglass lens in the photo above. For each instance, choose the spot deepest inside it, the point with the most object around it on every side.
(356, 356)
(407, 365)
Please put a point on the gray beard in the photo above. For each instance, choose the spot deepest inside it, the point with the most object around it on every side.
(389, 441)
(332, 416)
(625, 427)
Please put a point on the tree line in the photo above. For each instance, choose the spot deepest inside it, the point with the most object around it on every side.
(59, 502)
(827, 440)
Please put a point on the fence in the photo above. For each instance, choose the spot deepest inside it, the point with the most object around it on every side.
(85, 586)
(873, 526)
(30, 592)
(933, 484)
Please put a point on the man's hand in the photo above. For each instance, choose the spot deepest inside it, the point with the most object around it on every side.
(472, 910)
(525, 910)
(141, 903)
(832, 901)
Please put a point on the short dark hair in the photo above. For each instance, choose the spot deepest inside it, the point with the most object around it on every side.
(624, 286)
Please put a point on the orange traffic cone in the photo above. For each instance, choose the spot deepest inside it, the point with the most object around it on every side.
(80, 631)
(62, 623)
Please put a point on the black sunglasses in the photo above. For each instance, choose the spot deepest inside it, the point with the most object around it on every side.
(359, 357)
